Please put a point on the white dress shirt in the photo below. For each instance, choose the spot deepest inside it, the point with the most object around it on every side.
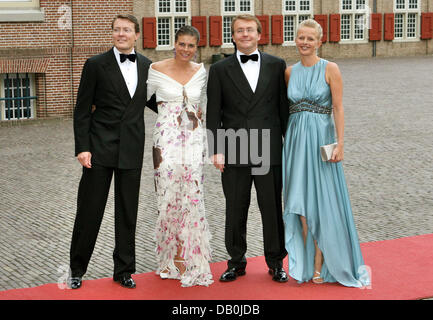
(251, 69)
(129, 72)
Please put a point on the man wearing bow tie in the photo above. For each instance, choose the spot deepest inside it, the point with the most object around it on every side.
(109, 139)
(247, 99)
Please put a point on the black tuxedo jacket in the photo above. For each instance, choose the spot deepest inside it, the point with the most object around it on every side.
(233, 105)
(114, 131)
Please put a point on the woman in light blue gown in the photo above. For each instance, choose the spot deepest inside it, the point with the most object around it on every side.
(320, 233)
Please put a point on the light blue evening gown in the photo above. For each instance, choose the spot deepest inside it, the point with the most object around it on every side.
(315, 189)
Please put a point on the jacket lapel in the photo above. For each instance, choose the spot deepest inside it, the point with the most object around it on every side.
(235, 72)
(142, 71)
(115, 76)
(263, 81)
(142, 76)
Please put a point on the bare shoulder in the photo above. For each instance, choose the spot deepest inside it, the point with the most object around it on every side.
(287, 73)
(332, 68)
(332, 72)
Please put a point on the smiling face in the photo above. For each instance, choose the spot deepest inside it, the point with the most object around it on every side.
(124, 35)
(245, 35)
(307, 41)
(186, 47)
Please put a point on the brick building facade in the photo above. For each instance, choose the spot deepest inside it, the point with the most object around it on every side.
(350, 25)
(44, 43)
(50, 51)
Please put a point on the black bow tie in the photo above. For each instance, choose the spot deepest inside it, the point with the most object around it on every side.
(131, 57)
(245, 58)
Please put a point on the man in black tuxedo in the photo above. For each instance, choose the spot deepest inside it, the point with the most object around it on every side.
(109, 138)
(247, 114)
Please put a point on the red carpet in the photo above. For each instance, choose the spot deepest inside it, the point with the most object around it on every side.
(401, 269)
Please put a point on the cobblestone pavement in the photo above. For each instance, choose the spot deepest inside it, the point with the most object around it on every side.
(388, 167)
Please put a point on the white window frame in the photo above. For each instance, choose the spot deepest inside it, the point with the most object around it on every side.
(405, 13)
(19, 4)
(172, 15)
(356, 17)
(227, 17)
(32, 93)
(298, 16)
(21, 11)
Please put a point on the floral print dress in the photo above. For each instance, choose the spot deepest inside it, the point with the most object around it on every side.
(179, 150)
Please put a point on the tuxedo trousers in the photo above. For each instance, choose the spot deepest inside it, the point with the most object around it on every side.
(93, 192)
(237, 183)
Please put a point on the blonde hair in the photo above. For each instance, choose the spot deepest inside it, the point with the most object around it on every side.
(247, 17)
(129, 17)
(310, 23)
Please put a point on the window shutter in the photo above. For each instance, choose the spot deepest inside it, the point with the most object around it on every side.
(264, 20)
(389, 26)
(426, 25)
(200, 24)
(215, 31)
(334, 28)
(149, 32)
(322, 19)
(277, 29)
(375, 33)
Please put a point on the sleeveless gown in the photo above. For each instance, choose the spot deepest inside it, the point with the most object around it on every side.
(178, 156)
(315, 189)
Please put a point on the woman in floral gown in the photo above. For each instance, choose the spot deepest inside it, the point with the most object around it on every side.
(182, 231)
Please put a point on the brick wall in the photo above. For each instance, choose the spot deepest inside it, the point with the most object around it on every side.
(56, 49)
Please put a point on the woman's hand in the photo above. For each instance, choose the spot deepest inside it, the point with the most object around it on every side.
(337, 154)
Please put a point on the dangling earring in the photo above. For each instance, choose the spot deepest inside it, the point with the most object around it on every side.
(174, 53)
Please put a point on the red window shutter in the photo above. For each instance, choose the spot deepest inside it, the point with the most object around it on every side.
(215, 31)
(200, 24)
(389, 26)
(426, 25)
(264, 20)
(277, 29)
(149, 32)
(375, 33)
(322, 19)
(334, 28)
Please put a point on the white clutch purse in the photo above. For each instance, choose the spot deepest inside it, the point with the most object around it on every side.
(327, 150)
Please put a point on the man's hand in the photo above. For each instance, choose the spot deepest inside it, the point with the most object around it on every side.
(84, 158)
(218, 161)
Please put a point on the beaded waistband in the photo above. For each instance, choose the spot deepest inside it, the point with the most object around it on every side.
(310, 106)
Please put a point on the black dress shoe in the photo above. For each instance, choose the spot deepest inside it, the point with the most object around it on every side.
(231, 274)
(278, 274)
(126, 281)
(74, 282)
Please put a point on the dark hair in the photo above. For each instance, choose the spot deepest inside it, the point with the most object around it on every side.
(189, 31)
(129, 17)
